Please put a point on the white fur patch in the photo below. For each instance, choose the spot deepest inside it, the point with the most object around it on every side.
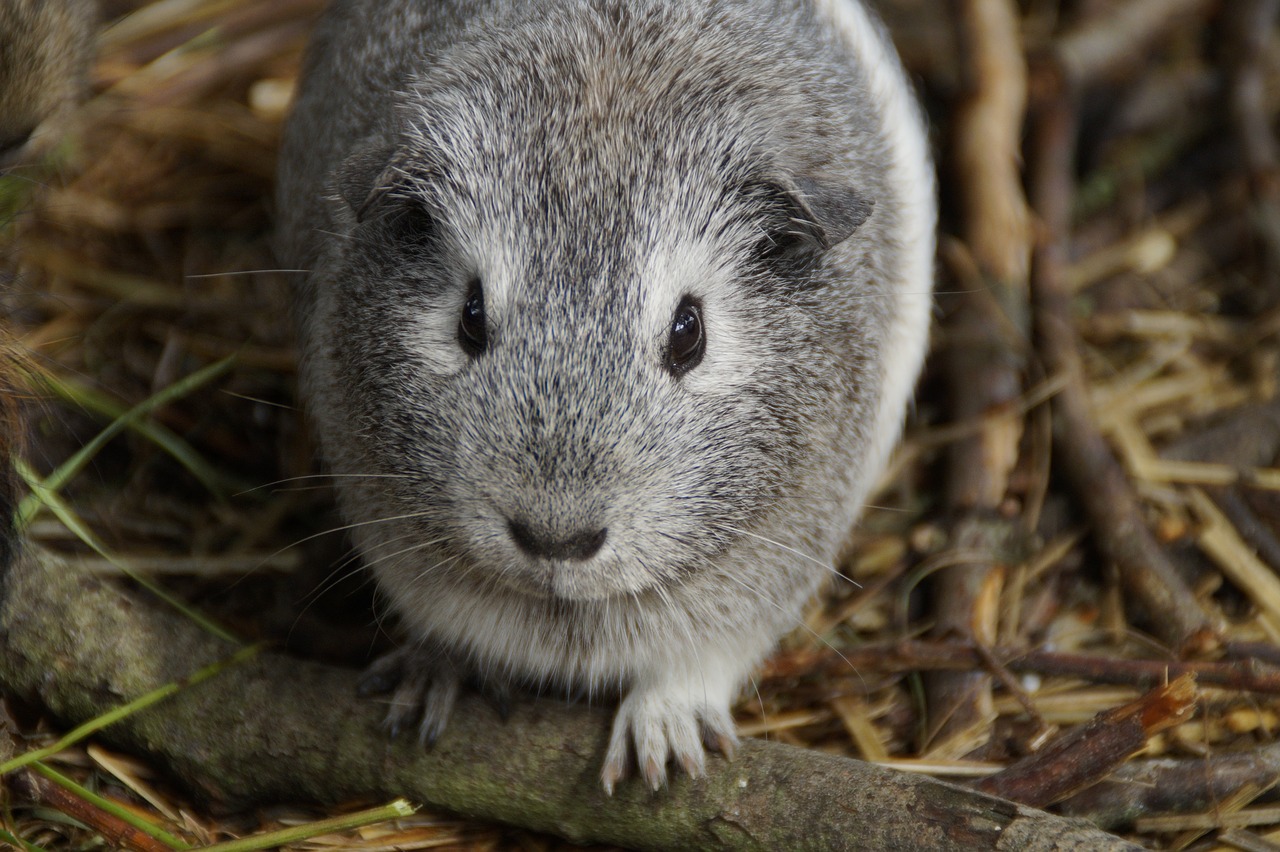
(911, 175)
(698, 268)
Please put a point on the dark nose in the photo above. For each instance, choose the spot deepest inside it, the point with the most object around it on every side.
(578, 546)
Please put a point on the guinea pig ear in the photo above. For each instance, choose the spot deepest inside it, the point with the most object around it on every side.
(835, 211)
(804, 218)
(366, 178)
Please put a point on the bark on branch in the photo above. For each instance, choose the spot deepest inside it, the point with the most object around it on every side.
(281, 728)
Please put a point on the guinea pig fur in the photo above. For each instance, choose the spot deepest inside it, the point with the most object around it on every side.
(45, 49)
(612, 313)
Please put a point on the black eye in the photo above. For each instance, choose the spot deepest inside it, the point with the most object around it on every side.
(472, 335)
(688, 342)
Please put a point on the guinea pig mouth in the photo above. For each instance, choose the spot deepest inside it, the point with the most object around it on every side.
(596, 580)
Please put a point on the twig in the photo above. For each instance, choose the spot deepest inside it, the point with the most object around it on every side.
(1089, 752)
(12, 434)
(117, 832)
(1249, 24)
(1238, 838)
(989, 331)
(1244, 674)
(1099, 481)
(1109, 45)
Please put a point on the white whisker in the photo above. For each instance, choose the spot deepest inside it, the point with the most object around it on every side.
(796, 618)
(235, 272)
(309, 476)
(831, 569)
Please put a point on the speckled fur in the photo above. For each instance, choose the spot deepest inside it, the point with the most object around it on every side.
(45, 48)
(591, 162)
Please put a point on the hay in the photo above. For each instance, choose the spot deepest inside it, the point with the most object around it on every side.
(139, 254)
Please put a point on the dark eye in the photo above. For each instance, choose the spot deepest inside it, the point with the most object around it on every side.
(472, 335)
(688, 341)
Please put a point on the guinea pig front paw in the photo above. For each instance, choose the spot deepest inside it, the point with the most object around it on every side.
(423, 689)
(664, 726)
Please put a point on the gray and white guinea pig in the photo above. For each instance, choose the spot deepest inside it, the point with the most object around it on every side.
(611, 314)
(45, 49)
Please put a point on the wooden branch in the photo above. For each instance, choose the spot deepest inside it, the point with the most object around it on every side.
(1100, 484)
(118, 833)
(1110, 45)
(12, 433)
(1183, 785)
(1244, 672)
(1249, 24)
(988, 147)
(279, 728)
(1088, 753)
(987, 334)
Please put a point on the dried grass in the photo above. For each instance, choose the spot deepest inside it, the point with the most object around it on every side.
(141, 255)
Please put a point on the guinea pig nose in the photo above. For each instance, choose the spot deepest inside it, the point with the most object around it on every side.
(578, 546)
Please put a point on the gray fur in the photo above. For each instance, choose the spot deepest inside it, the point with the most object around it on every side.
(591, 162)
(45, 48)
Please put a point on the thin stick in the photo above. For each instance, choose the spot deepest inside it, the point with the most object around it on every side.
(1100, 483)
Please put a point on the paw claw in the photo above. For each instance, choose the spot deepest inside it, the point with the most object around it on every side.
(611, 774)
(424, 690)
(659, 728)
(655, 774)
(692, 763)
(720, 737)
(381, 676)
(500, 697)
(428, 732)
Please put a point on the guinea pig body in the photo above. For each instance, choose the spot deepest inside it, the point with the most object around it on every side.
(612, 314)
(45, 48)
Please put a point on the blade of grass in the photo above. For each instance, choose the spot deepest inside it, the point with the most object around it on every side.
(123, 814)
(270, 840)
(125, 710)
(18, 843)
(76, 393)
(64, 513)
(72, 466)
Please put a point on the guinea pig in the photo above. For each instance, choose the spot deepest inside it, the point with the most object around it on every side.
(45, 49)
(611, 313)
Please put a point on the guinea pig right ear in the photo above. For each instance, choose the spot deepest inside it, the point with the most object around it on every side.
(368, 177)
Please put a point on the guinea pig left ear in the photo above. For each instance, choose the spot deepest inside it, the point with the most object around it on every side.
(804, 218)
(833, 212)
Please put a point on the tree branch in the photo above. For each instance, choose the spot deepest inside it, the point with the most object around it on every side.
(281, 728)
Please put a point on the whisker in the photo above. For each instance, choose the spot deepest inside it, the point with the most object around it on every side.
(248, 398)
(329, 582)
(234, 272)
(413, 548)
(332, 530)
(340, 572)
(831, 569)
(289, 479)
(797, 619)
(764, 714)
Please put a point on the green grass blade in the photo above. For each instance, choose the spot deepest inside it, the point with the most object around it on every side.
(72, 466)
(271, 839)
(105, 804)
(79, 394)
(125, 710)
(18, 843)
(64, 513)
